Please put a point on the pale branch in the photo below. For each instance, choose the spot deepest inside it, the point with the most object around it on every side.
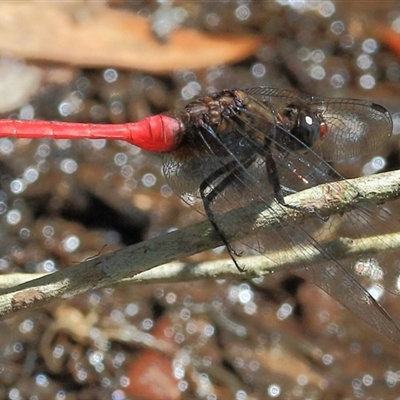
(110, 269)
(255, 266)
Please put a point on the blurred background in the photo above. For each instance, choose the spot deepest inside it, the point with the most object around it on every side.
(118, 61)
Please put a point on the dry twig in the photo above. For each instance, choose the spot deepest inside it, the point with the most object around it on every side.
(129, 264)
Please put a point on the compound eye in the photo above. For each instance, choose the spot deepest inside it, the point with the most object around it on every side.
(308, 128)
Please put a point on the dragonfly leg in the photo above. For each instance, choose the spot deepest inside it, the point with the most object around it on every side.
(273, 175)
(230, 170)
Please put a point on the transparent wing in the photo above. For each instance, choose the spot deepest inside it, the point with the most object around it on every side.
(336, 280)
(273, 96)
(355, 127)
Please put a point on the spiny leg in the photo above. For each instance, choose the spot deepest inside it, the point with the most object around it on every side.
(273, 175)
(231, 170)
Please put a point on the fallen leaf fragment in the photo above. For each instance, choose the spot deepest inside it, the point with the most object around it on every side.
(387, 36)
(18, 82)
(107, 37)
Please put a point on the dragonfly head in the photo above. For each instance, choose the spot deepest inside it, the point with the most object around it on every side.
(307, 128)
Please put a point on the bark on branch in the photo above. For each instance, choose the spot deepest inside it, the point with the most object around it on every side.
(135, 264)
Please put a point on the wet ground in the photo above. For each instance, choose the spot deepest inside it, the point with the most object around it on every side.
(61, 202)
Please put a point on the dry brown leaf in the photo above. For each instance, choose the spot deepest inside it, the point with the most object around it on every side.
(107, 37)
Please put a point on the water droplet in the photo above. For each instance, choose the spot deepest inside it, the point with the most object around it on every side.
(284, 311)
(364, 61)
(241, 395)
(274, 390)
(147, 324)
(318, 56)
(327, 9)
(17, 186)
(47, 266)
(317, 72)
(367, 81)
(71, 243)
(120, 159)
(337, 81)
(41, 380)
(31, 174)
(212, 19)
(149, 180)
(110, 75)
(367, 380)
(369, 46)
(26, 112)
(131, 309)
(13, 217)
(24, 233)
(191, 90)
(6, 146)
(98, 144)
(242, 13)
(26, 326)
(68, 165)
(337, 27)
(327, 359)
(258, 70)
(48, 231)
(43, 150)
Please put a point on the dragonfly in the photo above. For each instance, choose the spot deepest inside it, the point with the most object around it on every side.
(242, 147)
